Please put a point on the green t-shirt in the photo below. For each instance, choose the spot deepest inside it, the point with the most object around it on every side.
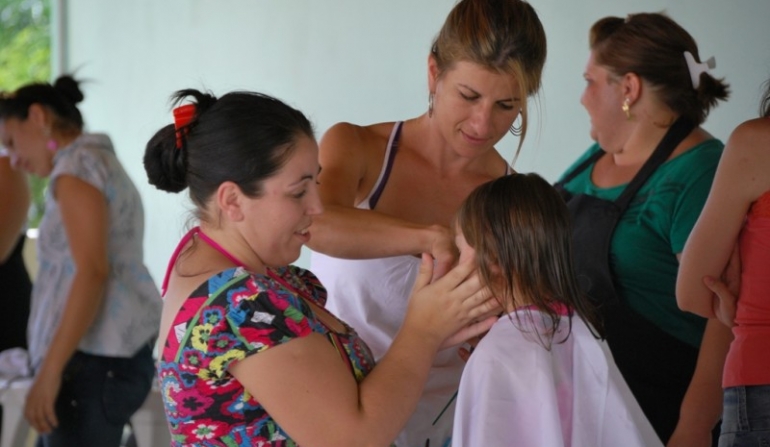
(653, 230)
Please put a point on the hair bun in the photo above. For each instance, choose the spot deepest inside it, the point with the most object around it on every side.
(69, 88)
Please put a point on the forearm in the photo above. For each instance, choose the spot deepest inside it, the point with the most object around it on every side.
(391, 392)
(352, 233)
(9, 235)
(14, 204)
(691, 294)
(83, 304)
(702, 404)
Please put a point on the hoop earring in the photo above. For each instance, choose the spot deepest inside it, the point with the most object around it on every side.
(430, 105)
(626, 109)
(516, 131)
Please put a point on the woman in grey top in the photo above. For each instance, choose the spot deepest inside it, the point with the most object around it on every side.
(95, 309)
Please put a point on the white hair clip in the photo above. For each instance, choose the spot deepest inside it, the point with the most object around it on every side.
(697, 68)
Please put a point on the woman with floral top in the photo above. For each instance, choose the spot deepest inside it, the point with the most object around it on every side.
(249, 355)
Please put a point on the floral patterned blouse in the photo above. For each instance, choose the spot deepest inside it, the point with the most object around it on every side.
(231, 316)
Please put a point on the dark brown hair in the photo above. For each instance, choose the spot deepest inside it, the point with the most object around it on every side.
(652, 46)
(60, 98)
(242, 137)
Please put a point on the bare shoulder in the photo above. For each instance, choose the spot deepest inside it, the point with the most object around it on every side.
(747, 153)
(752, 133)
(347, 136)
(353, 153)
(750, 141)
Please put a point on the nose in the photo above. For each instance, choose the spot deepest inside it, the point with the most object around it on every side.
(481, 119)
(314, 204)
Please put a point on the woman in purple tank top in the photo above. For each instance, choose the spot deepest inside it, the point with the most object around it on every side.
(390, 189)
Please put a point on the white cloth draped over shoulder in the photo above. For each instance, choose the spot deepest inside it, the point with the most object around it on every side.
(514, 392)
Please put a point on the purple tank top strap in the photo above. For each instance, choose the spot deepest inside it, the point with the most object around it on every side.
(390, 154)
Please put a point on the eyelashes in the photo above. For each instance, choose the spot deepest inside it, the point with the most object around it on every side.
(472, 98)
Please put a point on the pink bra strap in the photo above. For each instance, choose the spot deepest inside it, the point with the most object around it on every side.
(219, 248)
(187, 237)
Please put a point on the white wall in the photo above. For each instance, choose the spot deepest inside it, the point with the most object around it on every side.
(352, 60)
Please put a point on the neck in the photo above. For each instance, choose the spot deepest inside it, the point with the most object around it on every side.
(64, 140)
(433, 147)
(644, 138)
(520, 300)
(230, 248)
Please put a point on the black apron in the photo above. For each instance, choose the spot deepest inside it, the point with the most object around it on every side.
(657, 366)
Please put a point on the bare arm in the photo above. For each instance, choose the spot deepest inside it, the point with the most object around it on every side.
(702, 404)
(84, 213)
(312, 395)
(347, 232)
(14, 204)
(740, 179)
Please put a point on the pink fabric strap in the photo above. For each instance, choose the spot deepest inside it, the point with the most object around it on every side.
(560, 308)
(219, 248)
(185, 239)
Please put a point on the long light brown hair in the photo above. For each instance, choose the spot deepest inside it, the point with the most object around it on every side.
(503, 36)
(520, 228)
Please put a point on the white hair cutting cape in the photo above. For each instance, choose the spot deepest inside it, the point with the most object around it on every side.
(514, 392)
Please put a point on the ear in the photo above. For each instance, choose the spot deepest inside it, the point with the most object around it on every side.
(433, 73)
(229, 199)
(632, 87)
(38, 115)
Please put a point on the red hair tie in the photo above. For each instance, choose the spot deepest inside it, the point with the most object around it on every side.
(182, 117)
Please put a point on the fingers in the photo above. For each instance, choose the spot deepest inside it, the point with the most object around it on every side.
(441, 267)
(719, 288)
(732, 273)
(725, 302)
(468, 332)
(41, 418)
(39, 408)
(458, 274)
(482, 305)
(425, 273)
(481, 327)
(464, 354)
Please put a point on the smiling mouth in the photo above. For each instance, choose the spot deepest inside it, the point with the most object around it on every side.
(476, 140)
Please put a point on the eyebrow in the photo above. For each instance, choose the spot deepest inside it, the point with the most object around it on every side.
(304, 178)
(512, 99)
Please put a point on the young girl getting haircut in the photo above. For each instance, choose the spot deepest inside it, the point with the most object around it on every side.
(540, 377)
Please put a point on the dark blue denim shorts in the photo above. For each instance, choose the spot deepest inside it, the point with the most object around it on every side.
(746, 417)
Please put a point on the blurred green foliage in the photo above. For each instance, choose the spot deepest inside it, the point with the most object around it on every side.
(25, 56)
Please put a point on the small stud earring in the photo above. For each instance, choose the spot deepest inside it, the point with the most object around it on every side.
(51, 144)
(626, 109)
